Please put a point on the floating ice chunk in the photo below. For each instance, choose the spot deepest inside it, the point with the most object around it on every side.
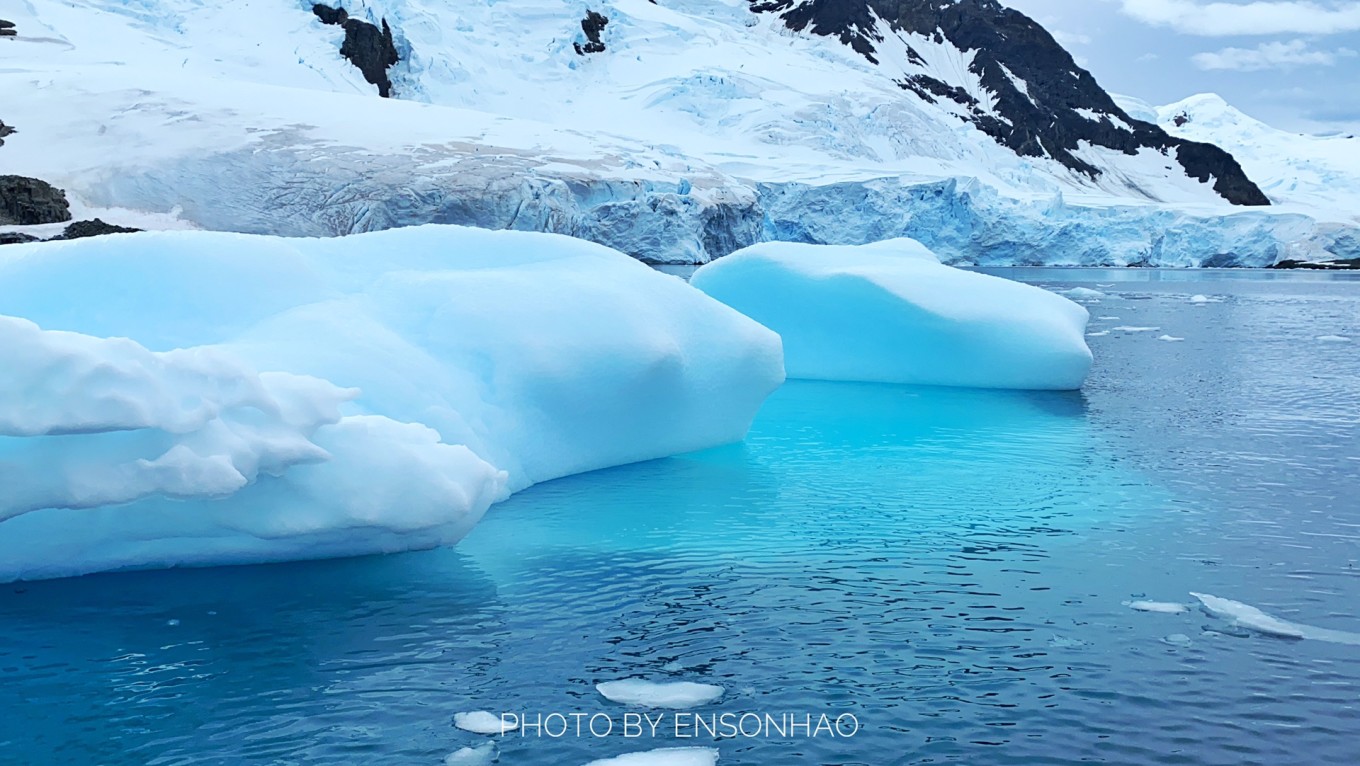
(891, 312)
(1333, 339)
(199, 398)
(676, 695)
(1203, 299)
(482, 755)
(1170, 338)
(1161, 607)
(1108, 319)
(670, 756)
(1083, 293)
(482, 722)
(1129, 328)
(1177, 639)
(1099, 334)
(1251, 618)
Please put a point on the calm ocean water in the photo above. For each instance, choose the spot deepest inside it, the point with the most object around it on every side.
(949, 567)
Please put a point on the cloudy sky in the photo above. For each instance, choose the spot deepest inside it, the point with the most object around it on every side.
(1292, 63)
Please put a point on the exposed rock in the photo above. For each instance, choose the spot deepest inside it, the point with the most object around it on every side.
(1045, 104)
(1346, 264)
(16, 238)
(26, 201)
(7, 29)
(369, 48)
(95, 228)
(5, 130)
(593, 25)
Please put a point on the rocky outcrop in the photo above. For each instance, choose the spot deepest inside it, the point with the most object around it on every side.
(26, 201)
(593, 25)
(367, 46)
(94, 228)
(1041, 103)
(7, 29)
(16, 238)
(5, 130)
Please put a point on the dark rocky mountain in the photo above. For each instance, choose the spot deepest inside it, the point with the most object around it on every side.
(593, 26)
(26, 201)
(1043, 120)
(367, 46)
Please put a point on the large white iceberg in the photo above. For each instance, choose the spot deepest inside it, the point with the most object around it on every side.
(194, 398)
(891, 312)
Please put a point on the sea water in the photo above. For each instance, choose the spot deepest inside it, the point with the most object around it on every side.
(977, 577)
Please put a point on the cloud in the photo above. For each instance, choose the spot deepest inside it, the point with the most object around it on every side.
(1260, 17)
(1276, 55)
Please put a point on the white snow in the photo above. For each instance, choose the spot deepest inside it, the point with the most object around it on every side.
(482, 722)
(197, 398)
(1317, 175)
(482, 755)
(697, 109)
(891, 312)
(670, 756)
(1160, 607)
(1251, 618)
(668, 694)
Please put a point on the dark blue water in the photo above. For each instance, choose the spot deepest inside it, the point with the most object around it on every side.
(950, 567)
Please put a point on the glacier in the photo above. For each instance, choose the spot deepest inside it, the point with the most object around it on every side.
(648, 149)
(890, 312)
(200, 398)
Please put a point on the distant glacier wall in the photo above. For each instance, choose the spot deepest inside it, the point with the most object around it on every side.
(286, 191)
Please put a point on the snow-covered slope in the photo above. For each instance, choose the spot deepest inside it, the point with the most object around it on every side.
(1321, 173)
(692, 134)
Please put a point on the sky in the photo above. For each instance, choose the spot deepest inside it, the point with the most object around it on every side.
(1294, 64)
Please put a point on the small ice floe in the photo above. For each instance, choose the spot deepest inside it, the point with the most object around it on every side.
(1109, 285)
(1063, 642)
(482, 755)
(1130, 328)
(1171, 339)
(669, 756)
(482, 722)
(1160, 607)
(1333, 339)
(1100, 334)
(1108, 319)
(1083, 293)
(1253, 619)
(675, 694)
(1177, 639)
(1204, 299)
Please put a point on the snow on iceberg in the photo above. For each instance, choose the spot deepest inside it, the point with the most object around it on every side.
(195, 398)
(675, 694)
(891, 312)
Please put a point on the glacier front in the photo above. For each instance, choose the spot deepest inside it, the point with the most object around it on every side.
(196, 398)
(890, 312)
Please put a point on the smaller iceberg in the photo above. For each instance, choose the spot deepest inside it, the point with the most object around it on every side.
(670, 756)
(890, 312)
(675, 695)
(1249, 617)
(482, 722)
(1159, 607)
(482, 755)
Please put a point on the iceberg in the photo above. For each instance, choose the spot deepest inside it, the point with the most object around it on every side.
(668, 756)
(195, 398)
(890, 312)
(675, 694)
(483, 722)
